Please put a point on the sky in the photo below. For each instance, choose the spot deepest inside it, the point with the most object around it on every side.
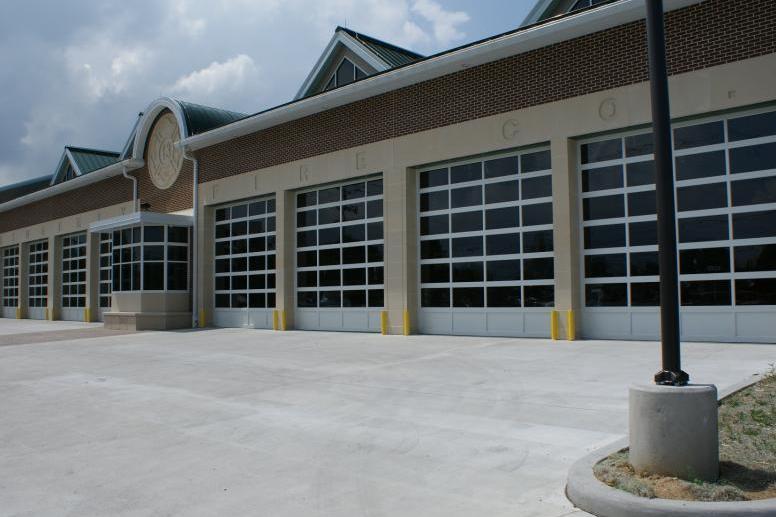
(78, 72)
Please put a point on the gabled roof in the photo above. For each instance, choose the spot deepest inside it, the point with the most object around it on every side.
(83, 161)
(201, 118)
(378, 55)
(22, 188)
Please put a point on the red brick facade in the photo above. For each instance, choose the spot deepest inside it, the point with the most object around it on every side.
(704, 35)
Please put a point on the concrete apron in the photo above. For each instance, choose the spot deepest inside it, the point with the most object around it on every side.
(587, 493)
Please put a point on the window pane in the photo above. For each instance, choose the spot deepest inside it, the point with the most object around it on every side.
(702, 165)
(332, 257)
(307, 299)
(755, 258)
(153, 233)
(354, 233)
(434, 224)
(177, 276)
(642, 203)
(433, 201)
(504, 296)
(435, 297)
(503, 270)
(374, 252)
(707, 260)
(306, 218)
(537, 242)
(239, 211)
(539, 161)
(179, 233)
(754, 158)
(602, 179)
(599, 266)
(645, 294)
(353, 212)
(346, 73)
(374, 208)
(537, 214)
(537, 187)
(602, 151)
(306, 199)
(468, 297)
(306, 278)
(467, 196)
(605, 207)
(606, 295)
(468, 172)
(753, 192)
(353, 191)
(644, 264)
(354, 298)
(639, 145)
(467, 247)
(374, 187)
(328, 236)
(695, 136)
(699, 229)
(761, 291)
(539, 296)
(702, 197)
(329, 299)
(508, 217)
(706, 293)
(754, 225)
(501, 167)
(376, 298)
(538, 269)
(502, 192)
(467, 272)
(641, 173)
(752, 126)
(434, 273)
(433, 178)
(437, 248)
(308, 238)
(606, 236)
(504, 244)
(153, 252)
(354, 276)
(329, 277)
(466, 221)
(328, 195)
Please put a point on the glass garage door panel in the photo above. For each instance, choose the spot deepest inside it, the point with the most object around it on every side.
(339, 256)
(486, 246)
(10, 292)
(244, 282)
(37, 279)
(106, 273)
(725, 172)
(73, 297)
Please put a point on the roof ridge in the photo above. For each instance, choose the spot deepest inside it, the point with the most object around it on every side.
(92, 150)
(361, 35)
(196, 104)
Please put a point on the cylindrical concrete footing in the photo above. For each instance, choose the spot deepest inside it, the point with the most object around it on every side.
(673, 431)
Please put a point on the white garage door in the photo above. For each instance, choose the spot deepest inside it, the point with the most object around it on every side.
(486, 246)
(725, 170)
(37, 280)
(339, 256)
(106, 274)
(73, 277)
(10, 272)
(244, 283)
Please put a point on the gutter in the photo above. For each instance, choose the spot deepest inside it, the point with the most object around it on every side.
(513, 43)
(195, 319)
(116, 169)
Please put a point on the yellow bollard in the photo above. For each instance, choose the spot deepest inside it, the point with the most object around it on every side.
(384, 322)
(554, 325)
(571, 329)
(406, 322)
(283, 320)
(18, 313)
(87, 315)
(202, 318)
(274, 320)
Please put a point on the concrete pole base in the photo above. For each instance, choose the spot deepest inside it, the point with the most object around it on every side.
(673, 431)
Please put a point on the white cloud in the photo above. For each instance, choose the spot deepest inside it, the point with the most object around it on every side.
(444, 23)
(233, 75)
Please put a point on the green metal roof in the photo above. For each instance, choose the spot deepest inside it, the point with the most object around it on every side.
(204, 118)
(391, 54)
(90, 160)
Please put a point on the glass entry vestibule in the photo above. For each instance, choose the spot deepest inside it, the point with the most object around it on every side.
(146, 258)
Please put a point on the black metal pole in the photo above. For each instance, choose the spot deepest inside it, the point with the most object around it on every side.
(671, 373)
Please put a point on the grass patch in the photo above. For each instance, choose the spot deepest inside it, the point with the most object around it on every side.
(747, 442)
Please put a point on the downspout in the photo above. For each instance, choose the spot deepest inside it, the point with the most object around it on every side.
(194, 241)
(124, 170)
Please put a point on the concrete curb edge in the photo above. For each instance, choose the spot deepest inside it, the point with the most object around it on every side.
(587, 493)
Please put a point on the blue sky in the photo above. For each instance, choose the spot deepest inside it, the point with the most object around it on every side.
(80, 74)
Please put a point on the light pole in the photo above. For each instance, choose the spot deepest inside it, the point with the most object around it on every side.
(671, 373)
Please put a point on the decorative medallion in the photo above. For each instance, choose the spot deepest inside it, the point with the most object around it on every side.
(510, 129)
(164, 156)
(608, 109)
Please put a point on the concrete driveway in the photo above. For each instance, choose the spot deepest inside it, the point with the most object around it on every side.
(245, 422)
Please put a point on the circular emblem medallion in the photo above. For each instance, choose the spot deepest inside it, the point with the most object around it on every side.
(164, 156)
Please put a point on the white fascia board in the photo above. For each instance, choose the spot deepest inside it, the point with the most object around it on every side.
(73, 163)
(58, 170)
(347, 41)
(532, 38)
(138, 218)
(81, 181)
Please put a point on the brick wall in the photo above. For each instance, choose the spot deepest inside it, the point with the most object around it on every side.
(177, 197)
(700, 36)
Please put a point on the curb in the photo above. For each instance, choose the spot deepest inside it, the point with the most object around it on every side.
(587, 493)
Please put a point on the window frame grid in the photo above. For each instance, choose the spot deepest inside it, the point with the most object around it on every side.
(366, 265)
(66, 299)
(38, 258)
(10, 276)
(728, 178)
(483, 207)
(106, 239)
(266, 272)
(140, 245)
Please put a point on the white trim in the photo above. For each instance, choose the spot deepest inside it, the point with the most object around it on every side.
(554, 31)
(73, 163)
(146, 122)
(58, 170)
(340, 38)
(138, 218)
